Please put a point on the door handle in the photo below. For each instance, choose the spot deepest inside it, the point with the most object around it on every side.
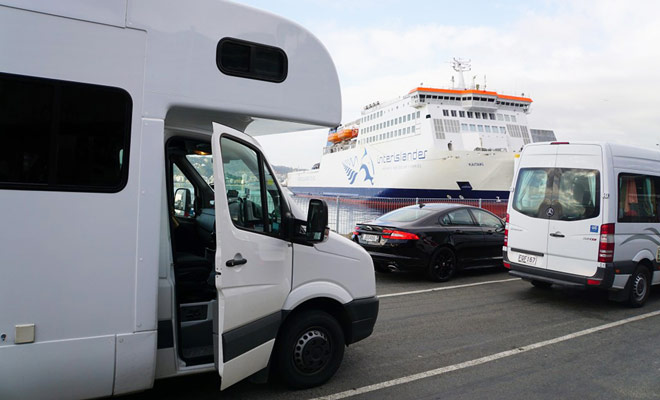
(557, 234)
(234, 262)
(490, 232)
(458, 231)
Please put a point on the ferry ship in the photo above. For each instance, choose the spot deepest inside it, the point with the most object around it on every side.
(431, 143)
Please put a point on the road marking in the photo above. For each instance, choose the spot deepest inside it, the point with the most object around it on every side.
(446, 288)
(483, 360)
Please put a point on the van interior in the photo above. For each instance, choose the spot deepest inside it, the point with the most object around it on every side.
(192, 227)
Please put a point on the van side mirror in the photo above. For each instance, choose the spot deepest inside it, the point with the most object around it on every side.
(182, 202)
(317, 221)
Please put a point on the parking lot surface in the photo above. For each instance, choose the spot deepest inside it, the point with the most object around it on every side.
(481, 335)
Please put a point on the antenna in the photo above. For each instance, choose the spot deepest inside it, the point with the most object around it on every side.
(461, 65)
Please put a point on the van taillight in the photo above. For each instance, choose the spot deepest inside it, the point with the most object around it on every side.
(506, 231)
(606, 244)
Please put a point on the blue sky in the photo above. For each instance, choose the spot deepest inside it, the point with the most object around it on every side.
(591, 67)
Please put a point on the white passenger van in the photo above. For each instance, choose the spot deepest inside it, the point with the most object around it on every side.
(127, 157)
(586, 215)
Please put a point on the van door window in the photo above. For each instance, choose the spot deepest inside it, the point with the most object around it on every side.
(532, 189)
(638, 198)
(572, 193)
(253, 197)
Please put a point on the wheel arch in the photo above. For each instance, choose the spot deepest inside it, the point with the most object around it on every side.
(325, 304)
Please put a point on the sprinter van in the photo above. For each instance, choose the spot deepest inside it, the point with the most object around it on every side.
(144, 233)
(586, 215)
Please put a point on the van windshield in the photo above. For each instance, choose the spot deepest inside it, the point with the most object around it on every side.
(567, 194)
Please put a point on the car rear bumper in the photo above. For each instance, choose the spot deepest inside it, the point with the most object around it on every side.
(400, 261)
(603, 278)
(362, 315)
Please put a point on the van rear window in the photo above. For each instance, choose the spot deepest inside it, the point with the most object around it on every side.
(567, 194)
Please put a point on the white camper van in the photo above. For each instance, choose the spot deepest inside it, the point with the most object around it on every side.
(144, 234)
(586, 215)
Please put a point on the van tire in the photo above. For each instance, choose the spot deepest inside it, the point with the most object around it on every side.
(640, 287)
(442, 266)
(310, 349)
(541, 284)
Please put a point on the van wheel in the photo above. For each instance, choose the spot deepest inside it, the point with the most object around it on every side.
(310, 349)
(541, 284)
(443, 265)
(640, 287)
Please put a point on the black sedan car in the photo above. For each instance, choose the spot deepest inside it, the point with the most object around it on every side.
(439, 239)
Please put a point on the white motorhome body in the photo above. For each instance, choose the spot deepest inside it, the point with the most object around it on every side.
(120, 120)
(586, 215)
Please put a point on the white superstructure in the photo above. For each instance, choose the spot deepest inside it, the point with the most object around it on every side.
(429, 143)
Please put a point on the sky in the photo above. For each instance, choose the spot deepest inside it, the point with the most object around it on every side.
(592, 68)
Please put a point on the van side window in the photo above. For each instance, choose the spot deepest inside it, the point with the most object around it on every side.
(638, 198)
(60, 135)
(253, 197)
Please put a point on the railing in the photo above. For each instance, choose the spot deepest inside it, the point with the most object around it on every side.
(345, 212)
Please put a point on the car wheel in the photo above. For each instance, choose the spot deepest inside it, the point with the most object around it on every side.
(640, 287)
(443, 265)
(310, 349)
(541, 284)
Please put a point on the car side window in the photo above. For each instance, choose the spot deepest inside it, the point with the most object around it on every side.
(486, 219)
(457, 217)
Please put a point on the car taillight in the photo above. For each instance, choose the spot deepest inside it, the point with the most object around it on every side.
(506, 231)
(394, 234)
(507, 265)
(606, 245)
(355, 230)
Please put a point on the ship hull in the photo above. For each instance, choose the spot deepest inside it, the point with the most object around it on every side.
(413, 173)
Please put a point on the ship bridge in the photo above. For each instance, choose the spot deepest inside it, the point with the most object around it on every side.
(469, 99)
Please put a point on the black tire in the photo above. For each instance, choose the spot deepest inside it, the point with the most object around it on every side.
(309, 349)
(541, 284)
(443, 265)
(640, 287)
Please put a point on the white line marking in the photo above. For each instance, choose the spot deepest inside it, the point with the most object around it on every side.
(446, 288)
(483, 360)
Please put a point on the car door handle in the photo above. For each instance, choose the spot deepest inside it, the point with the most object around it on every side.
(490, 232)
(557, 235)
(234, 262)
(458, 231)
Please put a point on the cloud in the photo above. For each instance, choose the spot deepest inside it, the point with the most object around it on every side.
(590, 67)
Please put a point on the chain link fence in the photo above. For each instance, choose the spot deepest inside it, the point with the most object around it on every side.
(345, 212)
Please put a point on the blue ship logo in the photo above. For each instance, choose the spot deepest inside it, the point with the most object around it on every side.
(353, 167)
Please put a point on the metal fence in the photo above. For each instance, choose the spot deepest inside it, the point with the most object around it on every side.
(345, 212)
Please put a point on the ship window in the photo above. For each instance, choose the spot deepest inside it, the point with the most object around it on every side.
(417, 114)
(513, 118)
(435, 97)
(500, 117)
(492, 116)
(470, 114)
(464, 127)
(487, 128)
(477, 115)
(491, 100)
(445, 113)
(469, 98)
(408, 130)
(473, 128)
(408, 117)
(480, 128)
(484, 115)
(251, 60)
(502, 129)
(413, 129)
(453, 113)
(461, 114)
(507, 118)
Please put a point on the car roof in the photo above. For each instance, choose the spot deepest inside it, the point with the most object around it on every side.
(438, 206)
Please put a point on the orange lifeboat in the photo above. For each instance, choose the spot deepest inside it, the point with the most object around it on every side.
(345, 134)
(333, 137)
(354, 132)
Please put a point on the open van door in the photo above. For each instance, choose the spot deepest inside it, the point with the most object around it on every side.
(253, 260)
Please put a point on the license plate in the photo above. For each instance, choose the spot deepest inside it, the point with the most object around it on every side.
(369, 238)
(527, 259)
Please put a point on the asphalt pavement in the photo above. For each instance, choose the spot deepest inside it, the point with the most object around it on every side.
(482, 335)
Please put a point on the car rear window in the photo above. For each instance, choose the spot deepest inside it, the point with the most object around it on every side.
(405, 215)
(567, 194)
